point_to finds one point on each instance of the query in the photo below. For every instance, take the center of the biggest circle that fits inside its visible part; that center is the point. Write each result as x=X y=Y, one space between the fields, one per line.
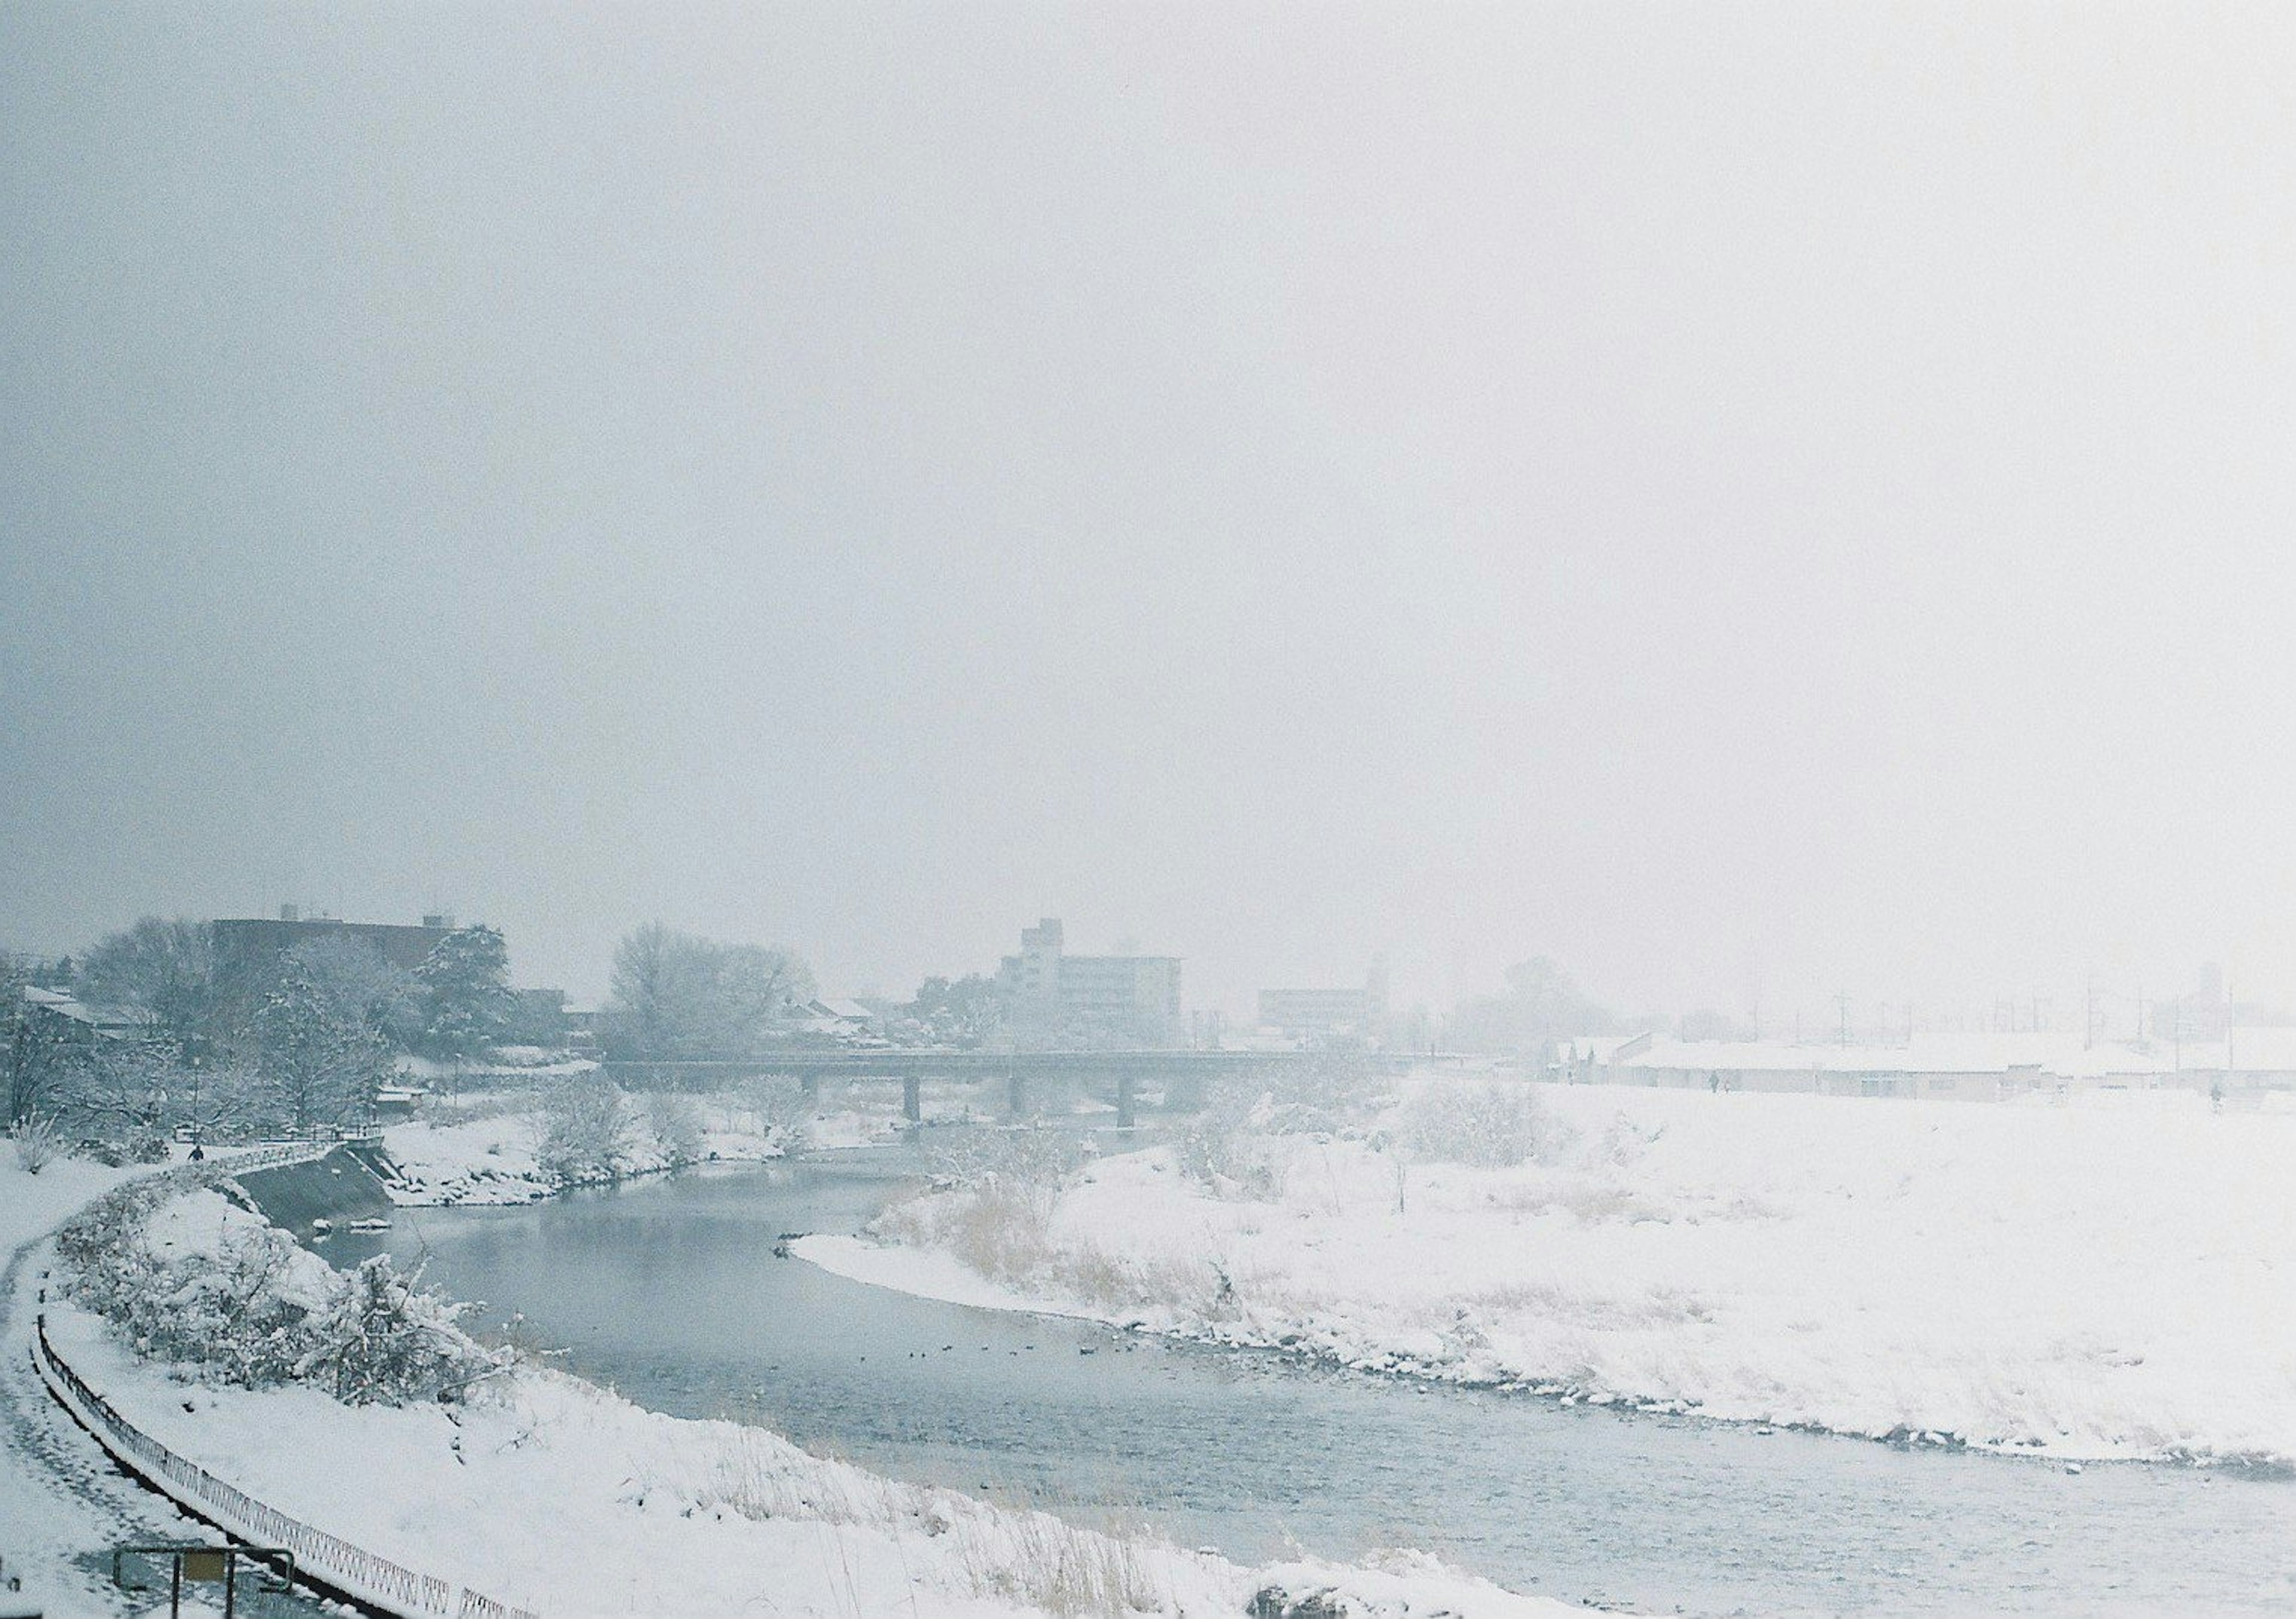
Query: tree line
x=303 y=1043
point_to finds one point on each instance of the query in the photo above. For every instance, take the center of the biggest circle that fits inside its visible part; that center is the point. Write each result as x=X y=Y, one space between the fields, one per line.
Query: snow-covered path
x=60 y=1498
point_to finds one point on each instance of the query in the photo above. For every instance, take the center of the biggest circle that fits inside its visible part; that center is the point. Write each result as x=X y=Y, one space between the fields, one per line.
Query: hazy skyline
x=1744 y=501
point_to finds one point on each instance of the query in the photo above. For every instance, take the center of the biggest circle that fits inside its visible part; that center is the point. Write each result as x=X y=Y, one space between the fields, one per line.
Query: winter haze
x=1749 y=502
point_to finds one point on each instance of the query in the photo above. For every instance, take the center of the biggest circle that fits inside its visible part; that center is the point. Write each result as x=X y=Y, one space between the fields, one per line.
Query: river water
x=667 y=1290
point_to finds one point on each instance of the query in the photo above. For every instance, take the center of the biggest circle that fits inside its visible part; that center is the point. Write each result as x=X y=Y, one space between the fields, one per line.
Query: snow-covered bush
x=586 y=1131
x=1026 y=1163
x=37 y=1145
x=775 y=1107
x=1489 y=1124
x=384 y=1337
x=254 y=1310
x=1223 y=1150
x=676 y=1120
x=997 y=1189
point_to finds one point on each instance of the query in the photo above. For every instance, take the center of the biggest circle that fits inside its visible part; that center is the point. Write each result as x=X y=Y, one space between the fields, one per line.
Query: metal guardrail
x=360 y=1572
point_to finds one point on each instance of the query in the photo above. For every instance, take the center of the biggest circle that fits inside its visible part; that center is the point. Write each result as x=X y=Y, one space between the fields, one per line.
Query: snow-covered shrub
x=1028 y=1163
x=384 y=1337
x=255 y=1310
x=585 y=1129
x=1489 y=1124
x=675 y=1119
x=37 y=1145
x=993 y=1204
x=1222 y=1150
x=775 y=1107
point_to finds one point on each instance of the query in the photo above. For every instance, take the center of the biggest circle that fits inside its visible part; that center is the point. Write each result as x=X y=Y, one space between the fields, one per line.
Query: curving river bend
x=667 y=1290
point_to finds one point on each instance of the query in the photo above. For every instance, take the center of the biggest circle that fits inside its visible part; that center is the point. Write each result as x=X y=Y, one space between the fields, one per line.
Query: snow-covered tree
x=320 y=1063
x=675 y=1118
x=961 y=1011
x=466 y=995
x=360 y=983
x=586 y=1131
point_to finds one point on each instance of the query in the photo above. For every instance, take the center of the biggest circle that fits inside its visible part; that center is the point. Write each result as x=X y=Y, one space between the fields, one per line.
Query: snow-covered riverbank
x=496 y=1159
x=555 y=1494
x=491 y=1152
x=2082 y=1282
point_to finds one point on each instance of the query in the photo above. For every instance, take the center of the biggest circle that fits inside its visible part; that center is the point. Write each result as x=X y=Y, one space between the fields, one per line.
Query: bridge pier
x=1016 y=1095
x=913 y=1107
x=1124 y=1084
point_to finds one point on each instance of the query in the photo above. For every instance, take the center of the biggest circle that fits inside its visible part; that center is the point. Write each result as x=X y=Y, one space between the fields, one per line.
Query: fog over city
x=1050 y=809
x=1751 y=503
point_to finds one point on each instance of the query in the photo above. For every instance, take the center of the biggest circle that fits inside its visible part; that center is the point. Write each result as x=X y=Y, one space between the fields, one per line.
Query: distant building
x=1327 y=1012
x=833 y=1015
x=82 y=1022
x=248 y=949
x=581 y=1024
x=1048 y=991
x=537 y=1017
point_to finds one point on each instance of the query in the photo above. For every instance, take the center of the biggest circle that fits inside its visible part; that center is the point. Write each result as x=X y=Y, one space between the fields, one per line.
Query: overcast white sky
x=1742 y=500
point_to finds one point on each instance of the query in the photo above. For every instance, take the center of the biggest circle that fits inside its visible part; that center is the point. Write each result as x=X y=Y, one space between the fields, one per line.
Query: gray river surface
x=667 y=1290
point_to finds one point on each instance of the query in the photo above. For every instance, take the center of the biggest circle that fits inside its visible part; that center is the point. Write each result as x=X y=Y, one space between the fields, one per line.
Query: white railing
x=375 y=1579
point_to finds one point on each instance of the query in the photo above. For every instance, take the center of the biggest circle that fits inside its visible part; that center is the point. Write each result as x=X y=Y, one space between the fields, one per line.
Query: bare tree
x=119 y=1088
x=165 y=967
x=757 y=986
x=43 y=1053
x=675 y=995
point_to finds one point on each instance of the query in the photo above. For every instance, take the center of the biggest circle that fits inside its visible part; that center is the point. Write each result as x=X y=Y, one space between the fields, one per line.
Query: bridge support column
x=913 y=1107
x=1124 y=1084
x=1016 y=1096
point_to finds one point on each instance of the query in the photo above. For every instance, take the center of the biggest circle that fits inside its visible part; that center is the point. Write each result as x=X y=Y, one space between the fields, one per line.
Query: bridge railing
x=353 y=1569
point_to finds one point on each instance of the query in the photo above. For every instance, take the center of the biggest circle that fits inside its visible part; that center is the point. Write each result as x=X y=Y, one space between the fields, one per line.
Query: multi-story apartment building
x=1050 y=992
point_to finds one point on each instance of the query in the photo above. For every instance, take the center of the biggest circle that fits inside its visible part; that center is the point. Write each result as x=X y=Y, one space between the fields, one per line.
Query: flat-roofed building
x=1050 y=992
x=1358 y=1012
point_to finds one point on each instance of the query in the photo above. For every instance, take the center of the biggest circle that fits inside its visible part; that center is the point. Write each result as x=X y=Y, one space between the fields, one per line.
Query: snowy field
x=2107 y=1277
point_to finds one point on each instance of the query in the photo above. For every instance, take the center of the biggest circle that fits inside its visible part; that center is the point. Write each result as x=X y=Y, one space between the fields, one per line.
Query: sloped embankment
x=336 y=1188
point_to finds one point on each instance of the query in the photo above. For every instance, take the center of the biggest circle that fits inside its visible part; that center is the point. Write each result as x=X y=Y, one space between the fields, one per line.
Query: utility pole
x=1842 y=1000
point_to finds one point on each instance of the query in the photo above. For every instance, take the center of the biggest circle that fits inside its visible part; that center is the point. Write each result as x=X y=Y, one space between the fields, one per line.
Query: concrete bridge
x=1185 y=1075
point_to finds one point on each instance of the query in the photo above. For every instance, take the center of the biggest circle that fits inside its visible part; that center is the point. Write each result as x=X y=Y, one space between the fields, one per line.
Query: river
x=667 y=1290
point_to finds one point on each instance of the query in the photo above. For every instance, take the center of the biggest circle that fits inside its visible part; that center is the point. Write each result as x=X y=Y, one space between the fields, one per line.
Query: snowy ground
x=547 y=1491
x=2082 y=1281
